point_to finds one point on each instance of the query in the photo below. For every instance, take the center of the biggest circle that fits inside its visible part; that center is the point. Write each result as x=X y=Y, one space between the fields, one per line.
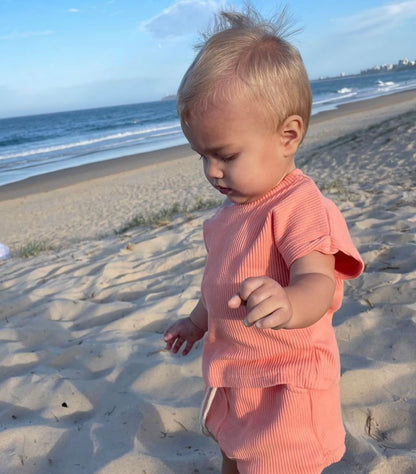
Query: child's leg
x=229 y=466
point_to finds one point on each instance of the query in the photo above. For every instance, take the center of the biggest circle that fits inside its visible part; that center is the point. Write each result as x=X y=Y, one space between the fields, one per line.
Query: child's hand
x=267 y=303
x=183 y=331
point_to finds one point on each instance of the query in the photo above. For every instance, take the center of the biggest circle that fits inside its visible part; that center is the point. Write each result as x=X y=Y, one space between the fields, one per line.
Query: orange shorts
x=276 y=430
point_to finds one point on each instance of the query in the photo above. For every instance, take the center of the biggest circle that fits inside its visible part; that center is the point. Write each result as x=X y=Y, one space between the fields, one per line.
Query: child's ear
x=291 y=134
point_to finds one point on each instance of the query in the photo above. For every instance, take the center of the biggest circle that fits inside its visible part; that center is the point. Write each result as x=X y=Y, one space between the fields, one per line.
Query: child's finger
x=262 y=309
x=188 y=348
x=170 y=333
x=236 y=301
x=169 y=343
x=273 y=321
x=170 y=337
x=249 y=286
x=178 y=344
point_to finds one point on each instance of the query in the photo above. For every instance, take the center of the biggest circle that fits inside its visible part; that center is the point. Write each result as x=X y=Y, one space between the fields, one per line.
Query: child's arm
x=301 y=304
x=187 y=330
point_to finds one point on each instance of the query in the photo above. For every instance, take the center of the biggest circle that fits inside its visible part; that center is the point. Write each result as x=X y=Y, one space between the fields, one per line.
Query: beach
x=86 y=384
x=95 y=200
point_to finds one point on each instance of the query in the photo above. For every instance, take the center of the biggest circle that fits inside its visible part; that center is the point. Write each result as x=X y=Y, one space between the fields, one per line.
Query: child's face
x=243 y=156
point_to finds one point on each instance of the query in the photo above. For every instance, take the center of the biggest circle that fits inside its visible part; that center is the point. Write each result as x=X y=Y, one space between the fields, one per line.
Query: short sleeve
x=305 y=221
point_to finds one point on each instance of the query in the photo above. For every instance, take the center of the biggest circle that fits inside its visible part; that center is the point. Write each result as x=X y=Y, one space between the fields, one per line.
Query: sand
x=86 y=385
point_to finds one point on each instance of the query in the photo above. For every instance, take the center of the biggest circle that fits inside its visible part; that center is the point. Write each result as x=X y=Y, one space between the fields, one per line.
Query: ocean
x=39 y=144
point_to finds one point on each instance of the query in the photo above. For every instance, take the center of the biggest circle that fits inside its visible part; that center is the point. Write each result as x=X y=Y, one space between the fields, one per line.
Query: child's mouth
x=223 y=190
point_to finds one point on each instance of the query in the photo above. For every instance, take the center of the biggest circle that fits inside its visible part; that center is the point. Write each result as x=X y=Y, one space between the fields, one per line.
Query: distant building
x=401 y=64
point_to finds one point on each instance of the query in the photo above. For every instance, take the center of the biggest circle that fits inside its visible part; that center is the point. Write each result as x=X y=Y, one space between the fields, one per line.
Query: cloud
x=73 y=10
x=376 y=20
x=183 y=18
x=26 y=34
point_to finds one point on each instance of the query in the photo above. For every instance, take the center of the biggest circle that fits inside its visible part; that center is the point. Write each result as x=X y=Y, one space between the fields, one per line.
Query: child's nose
x=213 y=169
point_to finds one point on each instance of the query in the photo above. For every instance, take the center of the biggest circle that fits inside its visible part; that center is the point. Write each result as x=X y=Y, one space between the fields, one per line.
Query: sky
x=60 y=55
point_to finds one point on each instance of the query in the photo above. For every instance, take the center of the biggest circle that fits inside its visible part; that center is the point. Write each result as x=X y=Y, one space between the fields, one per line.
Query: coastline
x=97 y=200
x=388 y=105
x=391 y=101
x=78 y=174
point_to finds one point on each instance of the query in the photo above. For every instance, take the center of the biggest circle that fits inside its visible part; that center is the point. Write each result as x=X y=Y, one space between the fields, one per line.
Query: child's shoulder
x=302 y=181
x=296 y=188
x=302 y=205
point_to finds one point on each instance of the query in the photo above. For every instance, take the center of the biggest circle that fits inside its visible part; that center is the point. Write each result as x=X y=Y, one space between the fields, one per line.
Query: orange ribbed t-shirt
x=264 y=238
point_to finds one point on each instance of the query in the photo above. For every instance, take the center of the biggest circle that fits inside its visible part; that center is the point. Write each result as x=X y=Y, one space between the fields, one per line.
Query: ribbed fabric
x=278 y=430
x=264 y=238
x=206 y=405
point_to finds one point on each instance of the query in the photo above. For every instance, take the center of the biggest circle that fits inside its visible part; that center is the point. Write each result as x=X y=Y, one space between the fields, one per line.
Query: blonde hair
x=248 y=57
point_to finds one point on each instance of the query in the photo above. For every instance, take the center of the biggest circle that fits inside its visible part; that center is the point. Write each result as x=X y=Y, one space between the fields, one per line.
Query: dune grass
x=164 y=216
x=33 y=248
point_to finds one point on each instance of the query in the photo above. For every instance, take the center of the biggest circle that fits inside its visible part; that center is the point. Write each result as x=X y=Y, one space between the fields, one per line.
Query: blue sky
x=71 y=54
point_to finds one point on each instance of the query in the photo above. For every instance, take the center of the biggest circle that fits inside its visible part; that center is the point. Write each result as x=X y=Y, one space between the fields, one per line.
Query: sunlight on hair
x=245 y=57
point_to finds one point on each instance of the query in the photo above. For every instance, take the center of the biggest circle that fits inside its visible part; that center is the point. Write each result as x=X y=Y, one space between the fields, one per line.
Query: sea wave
x=329 y=100
x=158 y=131
x=385 y=84
x=344 y=90
x=19 y=140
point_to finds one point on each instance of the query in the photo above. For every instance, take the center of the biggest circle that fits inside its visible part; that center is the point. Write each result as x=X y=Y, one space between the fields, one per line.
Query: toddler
x=278 y=252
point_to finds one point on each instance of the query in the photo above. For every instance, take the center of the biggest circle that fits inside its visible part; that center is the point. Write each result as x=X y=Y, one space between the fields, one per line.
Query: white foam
x=327 y=100
x=386 y=84
x=345 y=90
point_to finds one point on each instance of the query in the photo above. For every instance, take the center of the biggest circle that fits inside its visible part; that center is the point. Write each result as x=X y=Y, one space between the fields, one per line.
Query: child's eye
x=220 y=157
x=228 y=157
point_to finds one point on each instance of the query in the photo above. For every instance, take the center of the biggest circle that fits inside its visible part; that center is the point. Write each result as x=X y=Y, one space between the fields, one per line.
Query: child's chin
x=238 y=199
